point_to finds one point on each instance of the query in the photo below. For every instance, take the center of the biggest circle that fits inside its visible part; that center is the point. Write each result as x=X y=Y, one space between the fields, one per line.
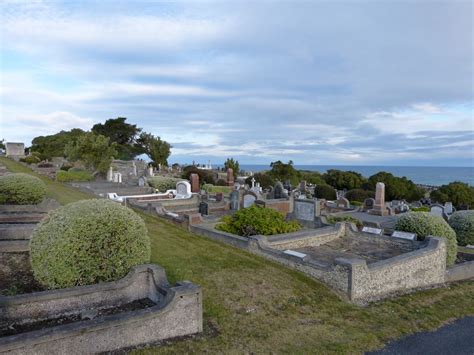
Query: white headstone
x=249 y=200
x=110 y=174
x=448 y=207
x=437 y=210
x=183 y=189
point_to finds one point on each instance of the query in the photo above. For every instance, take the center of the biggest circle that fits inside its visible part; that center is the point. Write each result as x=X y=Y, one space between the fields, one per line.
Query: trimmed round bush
x=425 y=224
x=88 y=242
x=21 y=189
x=257 y=220
x=325 y=191
x=163 y=183
x=463 y=224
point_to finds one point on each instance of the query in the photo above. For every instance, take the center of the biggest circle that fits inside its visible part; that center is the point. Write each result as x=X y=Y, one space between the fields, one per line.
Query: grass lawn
x=252 y=305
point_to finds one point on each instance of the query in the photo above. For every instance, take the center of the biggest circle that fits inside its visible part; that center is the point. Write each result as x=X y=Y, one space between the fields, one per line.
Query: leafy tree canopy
x=344 y=179
x=233 y=164
x=265 y=180
x=396 y=188
x=53 y=146
x=284 y=172
x=94 y=150
x=459 y=193
x=123 y=134
x=157 y=149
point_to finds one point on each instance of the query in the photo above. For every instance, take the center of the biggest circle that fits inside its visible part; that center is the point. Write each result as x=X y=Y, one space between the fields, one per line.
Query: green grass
x=257 y=306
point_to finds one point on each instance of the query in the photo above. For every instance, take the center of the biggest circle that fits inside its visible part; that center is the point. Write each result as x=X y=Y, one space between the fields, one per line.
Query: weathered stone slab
x=404 y=235
x=372 y=230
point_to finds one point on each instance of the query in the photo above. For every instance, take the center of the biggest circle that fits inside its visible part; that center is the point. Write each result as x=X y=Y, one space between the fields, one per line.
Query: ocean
x=427 y=175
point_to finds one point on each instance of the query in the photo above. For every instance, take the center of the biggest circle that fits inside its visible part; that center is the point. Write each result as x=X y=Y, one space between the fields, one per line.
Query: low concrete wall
x=178 y=312
x=458 y=272
x=45 y=206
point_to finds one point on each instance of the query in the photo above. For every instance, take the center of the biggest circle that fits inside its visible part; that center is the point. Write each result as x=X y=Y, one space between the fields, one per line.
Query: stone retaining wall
x=178 y=312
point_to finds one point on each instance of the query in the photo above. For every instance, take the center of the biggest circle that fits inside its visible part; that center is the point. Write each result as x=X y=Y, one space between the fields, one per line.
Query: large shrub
x=459 y=193
x=30 y=159
x=425 y=224
x=21 y=189
x=257 y=220
x=66 y=176
x=463 y=224
x=359 y=195
x=325 y=191
x=88 y=242
x=163 y=183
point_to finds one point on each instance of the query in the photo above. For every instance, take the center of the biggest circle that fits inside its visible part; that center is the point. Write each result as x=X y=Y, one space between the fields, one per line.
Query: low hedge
x=257 y=220
x=163 y=183
x=30 y=159
x=67 y=176
x=463 y=224
x=325 y=191
x=350 y=219
x=21 y=189
x=420 y=209
x=88 y=242
x=215 y=189
x=425 y=224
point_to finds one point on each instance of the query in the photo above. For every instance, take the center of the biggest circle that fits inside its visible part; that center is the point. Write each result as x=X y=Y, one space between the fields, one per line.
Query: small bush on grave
x=420 y=209
x=163 y=183
x=88 y=242
x=221 y=182
x=257 y=220
x=325 y=191
x=21 y=189
x=359 y=195
x=463 y=224
x=350 y=219
x=425 y=224
x=30 y=159
x=356 y=203
x=209 y=188
x=68 y=176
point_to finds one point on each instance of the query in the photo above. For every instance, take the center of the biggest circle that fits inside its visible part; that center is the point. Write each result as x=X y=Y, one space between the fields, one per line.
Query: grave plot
x=360 y=267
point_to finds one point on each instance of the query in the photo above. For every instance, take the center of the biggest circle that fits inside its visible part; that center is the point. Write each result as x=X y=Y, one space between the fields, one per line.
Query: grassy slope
x=259 y=306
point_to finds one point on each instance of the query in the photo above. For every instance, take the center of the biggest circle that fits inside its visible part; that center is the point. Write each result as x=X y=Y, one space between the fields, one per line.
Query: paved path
x=455 y=338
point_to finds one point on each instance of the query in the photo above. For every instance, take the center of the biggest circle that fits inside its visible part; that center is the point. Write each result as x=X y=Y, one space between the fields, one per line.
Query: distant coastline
x=435 y=176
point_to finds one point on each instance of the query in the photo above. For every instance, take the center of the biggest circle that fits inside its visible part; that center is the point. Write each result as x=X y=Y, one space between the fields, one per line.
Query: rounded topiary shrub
x=21 y=189
x=463 y=224
x=88 y=242
x=425 y=224
x=257 y=220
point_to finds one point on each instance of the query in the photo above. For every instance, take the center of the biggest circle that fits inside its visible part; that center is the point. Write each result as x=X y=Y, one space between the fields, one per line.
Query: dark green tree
x=396 y=188
x=205 y=176
x=325 y=191
x=284 y=172
x=47 y=147
x=123 y=134
x=2 y=144
x=94 y=150
x=344 y=179
x=233 y=164
x=459 y=193
x=157 y=149
x=265 y=180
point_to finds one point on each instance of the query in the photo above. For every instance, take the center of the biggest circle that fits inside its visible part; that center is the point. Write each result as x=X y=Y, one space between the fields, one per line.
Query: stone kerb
x=459 y=272
x=177 y=312
x=420 y=268
x=45 y=206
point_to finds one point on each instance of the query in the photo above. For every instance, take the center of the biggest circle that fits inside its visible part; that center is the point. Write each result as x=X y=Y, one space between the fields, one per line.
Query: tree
x=51 y=146
x=344 y=179
x=157 y=150
x=94 y=150
x=123 y=134
x=2 y=144
x=459 y=193
x=233 y=164
x=396 y=188
x=312 y=177
x=325 y=191
x=205 y=176
x=284 y=172
x=264 y=179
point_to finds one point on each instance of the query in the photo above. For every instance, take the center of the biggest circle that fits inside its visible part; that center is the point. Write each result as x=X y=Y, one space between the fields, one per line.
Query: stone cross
x=253 y=182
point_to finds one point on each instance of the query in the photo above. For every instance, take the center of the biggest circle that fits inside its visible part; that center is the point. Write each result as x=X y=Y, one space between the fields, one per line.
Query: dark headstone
x=204 y=208
x=194 y=182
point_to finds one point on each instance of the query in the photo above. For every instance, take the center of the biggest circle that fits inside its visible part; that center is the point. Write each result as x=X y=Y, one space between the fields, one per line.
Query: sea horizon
x=426 y=175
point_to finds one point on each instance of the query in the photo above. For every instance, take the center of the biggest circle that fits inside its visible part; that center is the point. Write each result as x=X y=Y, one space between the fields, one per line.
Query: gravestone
x=204 y=208
x=371 y=230
x=142 y=181
x=343 y=203
x=134 y=168
x=379 y=206
x=279 y=191
x=150 y=171
x=404 y=235
x=249 y=199
x=183 y=188
x=219 y=196
x=438 y=210
x=194 y=182
x=14 y=149
x=303 y=186
x=305 y=210
x=369 y=204
x=234 y=200
x=118 y=178
x=448 y=208
x=416 y=204
x=230 y=177
x=110 y=174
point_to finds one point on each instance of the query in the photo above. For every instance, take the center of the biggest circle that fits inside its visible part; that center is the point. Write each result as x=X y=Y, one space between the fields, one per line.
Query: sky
x=330 y=83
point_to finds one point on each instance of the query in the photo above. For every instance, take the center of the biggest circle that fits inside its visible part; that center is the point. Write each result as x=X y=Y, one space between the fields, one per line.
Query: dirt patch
x=353 y=247
x=14 y=328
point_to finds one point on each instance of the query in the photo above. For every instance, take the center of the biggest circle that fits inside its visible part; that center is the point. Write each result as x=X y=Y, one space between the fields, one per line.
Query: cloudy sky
x=340 y=82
